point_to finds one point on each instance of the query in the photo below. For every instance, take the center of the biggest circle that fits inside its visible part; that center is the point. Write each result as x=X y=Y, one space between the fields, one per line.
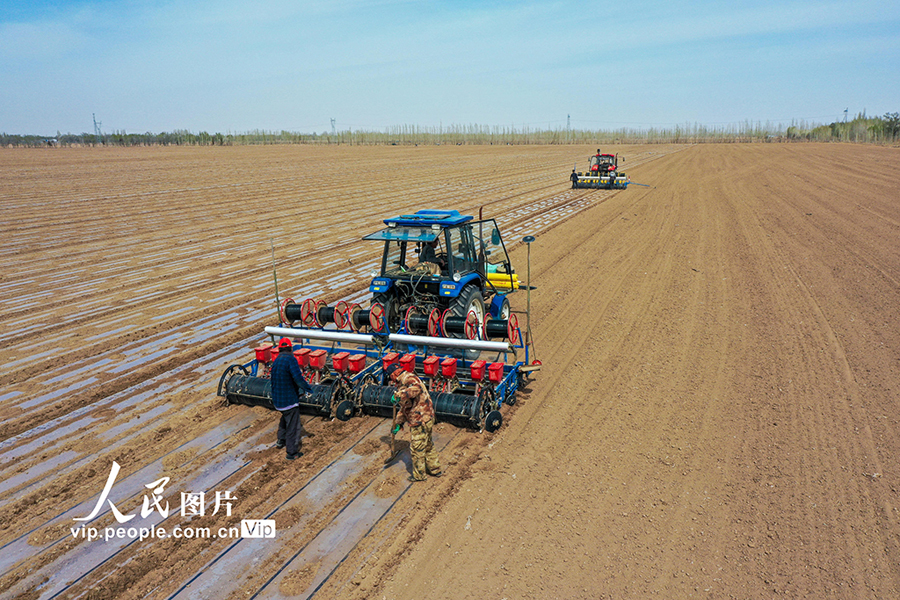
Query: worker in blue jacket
x=287 y=382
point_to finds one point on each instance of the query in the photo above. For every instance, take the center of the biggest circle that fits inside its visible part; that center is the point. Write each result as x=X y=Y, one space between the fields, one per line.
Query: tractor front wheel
x=504 y=309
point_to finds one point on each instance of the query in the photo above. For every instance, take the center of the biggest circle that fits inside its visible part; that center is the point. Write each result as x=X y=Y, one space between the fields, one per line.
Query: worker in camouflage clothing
x=414 y=407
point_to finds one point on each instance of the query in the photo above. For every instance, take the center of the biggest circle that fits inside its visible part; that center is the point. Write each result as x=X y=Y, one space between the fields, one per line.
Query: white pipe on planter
x=418 y=340
x=423 y=340
x=320 y=334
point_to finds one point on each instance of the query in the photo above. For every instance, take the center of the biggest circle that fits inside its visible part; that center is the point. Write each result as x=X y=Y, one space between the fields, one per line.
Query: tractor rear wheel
x=469 y=300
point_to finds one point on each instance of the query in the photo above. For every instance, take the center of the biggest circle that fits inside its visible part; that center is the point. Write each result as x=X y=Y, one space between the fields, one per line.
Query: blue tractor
x=442 y=275
x=442 y=266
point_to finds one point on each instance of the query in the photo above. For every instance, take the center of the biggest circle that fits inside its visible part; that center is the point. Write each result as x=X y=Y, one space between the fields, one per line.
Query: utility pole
x=568 y=118
x=97 y=131
x=333 y=133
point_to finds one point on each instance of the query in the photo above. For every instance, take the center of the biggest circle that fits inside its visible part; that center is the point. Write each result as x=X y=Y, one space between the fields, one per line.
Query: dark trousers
x=289 y=430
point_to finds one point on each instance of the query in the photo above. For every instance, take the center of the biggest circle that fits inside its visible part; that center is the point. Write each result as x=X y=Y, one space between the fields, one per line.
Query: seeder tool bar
x=365 y=339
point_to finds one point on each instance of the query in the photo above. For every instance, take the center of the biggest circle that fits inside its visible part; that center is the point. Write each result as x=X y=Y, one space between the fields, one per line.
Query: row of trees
x=862 y=129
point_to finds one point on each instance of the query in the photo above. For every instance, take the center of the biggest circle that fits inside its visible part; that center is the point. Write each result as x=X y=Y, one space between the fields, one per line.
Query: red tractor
x=603 y=173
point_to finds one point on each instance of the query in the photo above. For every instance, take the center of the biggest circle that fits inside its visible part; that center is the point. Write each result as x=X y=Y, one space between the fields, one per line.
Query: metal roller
x=341 y=314
x=326 y=314
x=319 y=402
x=495 y=328
x=416 y=321
x=243 y=388
x=461 y=410
x=453 y=324
x=292 y=312
x=502 y=328
x=467 y=326
x=240 y=388
x=323 y=314
x=376 y=400
x=420 y=322
x=360 y=317
x=309 y=312
x=312 y=313
x=316 y=314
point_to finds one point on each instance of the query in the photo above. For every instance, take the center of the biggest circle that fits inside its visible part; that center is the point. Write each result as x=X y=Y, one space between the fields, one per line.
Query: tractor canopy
x=430 y=218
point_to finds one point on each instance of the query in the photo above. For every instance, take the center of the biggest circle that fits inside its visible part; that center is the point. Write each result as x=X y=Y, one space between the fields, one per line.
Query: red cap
x=285 y=343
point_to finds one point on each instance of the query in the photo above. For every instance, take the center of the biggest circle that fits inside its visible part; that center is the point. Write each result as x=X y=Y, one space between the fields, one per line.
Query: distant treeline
x=862 y=129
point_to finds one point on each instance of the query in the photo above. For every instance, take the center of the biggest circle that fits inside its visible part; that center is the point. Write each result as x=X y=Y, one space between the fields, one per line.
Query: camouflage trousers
x=421 y=447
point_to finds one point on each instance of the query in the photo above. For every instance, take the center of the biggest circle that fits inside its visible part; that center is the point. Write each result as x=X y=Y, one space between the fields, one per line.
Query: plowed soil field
x=716 y=415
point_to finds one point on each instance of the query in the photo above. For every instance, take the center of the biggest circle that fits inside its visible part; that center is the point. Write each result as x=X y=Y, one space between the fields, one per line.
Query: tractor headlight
x=456 y=277
x=374 y=273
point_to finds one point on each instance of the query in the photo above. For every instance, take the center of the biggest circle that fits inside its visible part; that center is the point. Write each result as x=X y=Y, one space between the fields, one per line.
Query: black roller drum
x=460 y=410
x=257 y=391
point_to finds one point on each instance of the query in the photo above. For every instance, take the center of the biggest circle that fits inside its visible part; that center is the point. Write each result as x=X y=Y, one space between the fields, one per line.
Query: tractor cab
x=459 y=247
x=437 y=258
x=603 y=163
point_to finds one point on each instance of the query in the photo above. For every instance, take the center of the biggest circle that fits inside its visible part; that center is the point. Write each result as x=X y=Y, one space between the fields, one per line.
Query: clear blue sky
x=234 y=65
